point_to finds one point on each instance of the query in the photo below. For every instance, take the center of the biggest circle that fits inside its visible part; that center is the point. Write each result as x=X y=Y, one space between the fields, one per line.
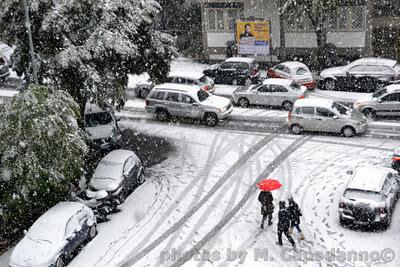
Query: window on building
x=211 y=19
x=222 y=19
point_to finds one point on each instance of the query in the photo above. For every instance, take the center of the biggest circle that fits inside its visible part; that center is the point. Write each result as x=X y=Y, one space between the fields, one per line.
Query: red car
x=293 y=70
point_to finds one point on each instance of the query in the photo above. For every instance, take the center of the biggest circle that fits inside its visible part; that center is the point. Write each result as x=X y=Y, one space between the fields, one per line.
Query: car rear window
x=205 y=79
x=295 y=86
x=357 y=194
x=202 y=95
x=95 y=119
x=301 y=71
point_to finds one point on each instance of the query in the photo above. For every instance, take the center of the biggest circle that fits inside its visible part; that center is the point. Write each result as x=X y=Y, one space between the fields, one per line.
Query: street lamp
x=31 y=50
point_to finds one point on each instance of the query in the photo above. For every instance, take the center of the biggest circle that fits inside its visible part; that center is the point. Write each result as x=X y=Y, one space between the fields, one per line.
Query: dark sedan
x=235 y=70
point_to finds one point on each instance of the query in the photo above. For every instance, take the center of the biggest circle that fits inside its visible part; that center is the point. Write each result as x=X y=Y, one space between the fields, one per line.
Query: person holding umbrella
x=267 y=206
x=294 y=214
x=266 y=199
x=284 y=224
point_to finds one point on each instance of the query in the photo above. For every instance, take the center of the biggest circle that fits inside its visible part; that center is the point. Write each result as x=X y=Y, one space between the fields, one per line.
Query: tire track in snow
x=238 y=164
x=267 y=171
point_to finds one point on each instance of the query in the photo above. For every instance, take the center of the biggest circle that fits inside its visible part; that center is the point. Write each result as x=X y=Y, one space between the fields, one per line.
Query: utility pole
x=31 y=50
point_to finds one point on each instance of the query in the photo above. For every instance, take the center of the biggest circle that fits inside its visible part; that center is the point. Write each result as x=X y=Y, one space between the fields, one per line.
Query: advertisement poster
x=253 y=37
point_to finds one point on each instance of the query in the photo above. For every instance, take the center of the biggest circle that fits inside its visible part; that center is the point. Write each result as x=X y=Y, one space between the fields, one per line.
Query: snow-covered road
x=203 y=200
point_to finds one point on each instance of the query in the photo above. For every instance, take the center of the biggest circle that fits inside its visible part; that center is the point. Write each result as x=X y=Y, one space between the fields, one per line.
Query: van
x=324 y=115
x=101 y=126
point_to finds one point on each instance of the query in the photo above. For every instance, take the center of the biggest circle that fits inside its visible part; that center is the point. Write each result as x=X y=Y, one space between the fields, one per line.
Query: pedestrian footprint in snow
x=267 y=206
x=294 y=214
x=284 y=225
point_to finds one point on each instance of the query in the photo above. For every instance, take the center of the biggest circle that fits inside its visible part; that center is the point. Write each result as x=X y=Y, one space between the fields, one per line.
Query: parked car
x=207 y=84
x=188 y=101
x=293 y=70
x=4 y=70
x=273 y=92
x=324 y=115
x=235 y=70
x=385 y=101
x=370 y=197
x=396 y=159
x=101 y=126
x=118 y=173
x=363 y=75
x=54 y=238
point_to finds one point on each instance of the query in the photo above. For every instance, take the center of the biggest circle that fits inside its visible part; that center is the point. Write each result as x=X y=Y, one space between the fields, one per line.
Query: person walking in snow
x=267 y=206
x=294 y=214
x=284 y=225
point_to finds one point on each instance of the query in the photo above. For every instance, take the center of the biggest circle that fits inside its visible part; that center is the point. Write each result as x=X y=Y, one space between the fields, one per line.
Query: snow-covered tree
x=319 y=14
x=88 y=47
x=42 y=150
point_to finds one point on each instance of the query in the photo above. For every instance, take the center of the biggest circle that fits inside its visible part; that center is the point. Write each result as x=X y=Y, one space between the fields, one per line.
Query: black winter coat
x=266 y=199
x=283 y=220
x=294 y=213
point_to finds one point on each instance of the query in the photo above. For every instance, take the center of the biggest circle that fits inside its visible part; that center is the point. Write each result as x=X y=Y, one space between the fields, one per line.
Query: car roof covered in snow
x=285 y=82
x=118 y=156
x=294 y=64
x=314 y=102
x=240 y=59
x=177 y=87
x=368 y=178
x=377 y=61
x=194 y=76
x=392 y=88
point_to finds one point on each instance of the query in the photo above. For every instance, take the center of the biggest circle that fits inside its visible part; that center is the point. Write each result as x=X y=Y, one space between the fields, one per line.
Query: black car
x=235 y=70
x=362 y=75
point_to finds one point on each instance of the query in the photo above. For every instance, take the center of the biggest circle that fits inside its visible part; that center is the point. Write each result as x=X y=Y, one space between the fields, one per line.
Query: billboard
x=253 y=37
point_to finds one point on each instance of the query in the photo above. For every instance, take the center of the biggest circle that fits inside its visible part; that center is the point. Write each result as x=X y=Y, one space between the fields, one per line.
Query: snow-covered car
x=324 y=115
x=370 y=197
x=363 y=75
x=4 y=70
x=396 y=159
x=188 y=101
x=118 y=173
x=54 y=238
x=293 y=70
x=235 y=70
x=385 y=101
x=207 y=84
x=101 y=126
x=272 y=92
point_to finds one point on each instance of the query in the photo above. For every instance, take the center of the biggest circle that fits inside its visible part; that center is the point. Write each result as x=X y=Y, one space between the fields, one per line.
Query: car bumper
x=350 y=219
x=361 y=128
x=224 y=115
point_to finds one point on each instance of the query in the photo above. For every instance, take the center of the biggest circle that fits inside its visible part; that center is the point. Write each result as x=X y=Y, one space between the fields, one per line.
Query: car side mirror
x=349 y=172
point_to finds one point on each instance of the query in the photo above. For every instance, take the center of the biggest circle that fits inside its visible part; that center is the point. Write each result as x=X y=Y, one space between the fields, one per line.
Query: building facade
x=357 y=28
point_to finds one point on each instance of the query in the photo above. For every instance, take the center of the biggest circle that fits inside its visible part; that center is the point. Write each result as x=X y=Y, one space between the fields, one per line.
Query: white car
x=54 y=238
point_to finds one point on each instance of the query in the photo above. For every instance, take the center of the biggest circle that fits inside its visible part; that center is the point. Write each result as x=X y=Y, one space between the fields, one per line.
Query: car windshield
x=379 y=93
x=357 y=194
x=95 y=119
x=202 y=95
x=108 y=170
x=340 y=108
x=295 y=86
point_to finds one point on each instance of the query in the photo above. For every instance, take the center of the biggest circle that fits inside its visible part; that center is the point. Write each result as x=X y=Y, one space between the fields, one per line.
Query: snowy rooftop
x=314 y=102
x=240 y=59
x=368 y=178
x=279 y=81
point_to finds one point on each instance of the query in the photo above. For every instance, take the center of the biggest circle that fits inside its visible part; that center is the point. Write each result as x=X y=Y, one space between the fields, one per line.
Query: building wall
x=339 y=39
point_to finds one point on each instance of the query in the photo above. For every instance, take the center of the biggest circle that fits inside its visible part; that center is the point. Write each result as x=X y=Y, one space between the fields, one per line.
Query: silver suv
x=323 y=115
x=370 y=197
x=190 y=101
x=385 y=101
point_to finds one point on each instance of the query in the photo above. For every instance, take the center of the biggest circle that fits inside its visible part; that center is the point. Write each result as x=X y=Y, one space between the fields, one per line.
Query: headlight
x=222 y=110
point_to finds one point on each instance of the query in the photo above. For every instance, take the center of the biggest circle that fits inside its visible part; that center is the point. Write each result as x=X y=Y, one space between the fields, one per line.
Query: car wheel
x=144 y=92
x=234 y=82
x=243 y=102
x=60 y=262
x=92 y=232
x=141 y=178
x=342 y=221
x=369 y=113
x=287 y=105
x=348 y=131
x=330 y=85
x=122 y=196
x=211 y=119
x=248 y=82
x=162 y=115
x=296 y=129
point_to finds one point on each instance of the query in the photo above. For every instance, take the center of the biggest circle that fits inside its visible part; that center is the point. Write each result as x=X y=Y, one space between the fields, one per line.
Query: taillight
x=254 y=72
x=396 y=158
x=301 y=97
x=206 y=88
x=146 y=102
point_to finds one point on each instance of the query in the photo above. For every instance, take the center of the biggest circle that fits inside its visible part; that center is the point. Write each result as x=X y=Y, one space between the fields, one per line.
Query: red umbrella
x=269 y=185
